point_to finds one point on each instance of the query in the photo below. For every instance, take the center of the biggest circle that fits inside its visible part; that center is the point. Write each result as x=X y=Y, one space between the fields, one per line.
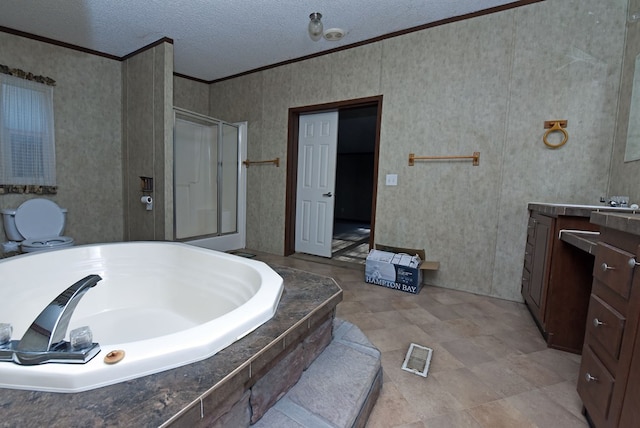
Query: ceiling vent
x=334 y=34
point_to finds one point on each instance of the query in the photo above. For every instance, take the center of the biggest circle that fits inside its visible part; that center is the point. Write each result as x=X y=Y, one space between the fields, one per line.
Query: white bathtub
x=165 y=304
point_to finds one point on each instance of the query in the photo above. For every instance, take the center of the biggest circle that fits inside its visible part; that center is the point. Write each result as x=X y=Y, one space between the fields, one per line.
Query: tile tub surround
x=178 y=396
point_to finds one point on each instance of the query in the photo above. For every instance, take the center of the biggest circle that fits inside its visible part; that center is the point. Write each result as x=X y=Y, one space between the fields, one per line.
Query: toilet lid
x=36 y=218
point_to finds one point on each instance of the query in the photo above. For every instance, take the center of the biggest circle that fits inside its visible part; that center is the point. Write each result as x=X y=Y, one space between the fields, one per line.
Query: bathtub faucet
x=44 y=341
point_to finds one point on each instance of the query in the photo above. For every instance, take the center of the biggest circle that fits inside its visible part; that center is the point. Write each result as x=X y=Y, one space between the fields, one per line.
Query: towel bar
x=475 y=157
x=275 y=161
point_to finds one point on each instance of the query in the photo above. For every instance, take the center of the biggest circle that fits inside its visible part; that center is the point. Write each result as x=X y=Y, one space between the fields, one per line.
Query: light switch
x=392 y=180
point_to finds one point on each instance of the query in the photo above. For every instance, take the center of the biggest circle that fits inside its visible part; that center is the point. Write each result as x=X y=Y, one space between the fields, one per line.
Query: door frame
x=292 y=162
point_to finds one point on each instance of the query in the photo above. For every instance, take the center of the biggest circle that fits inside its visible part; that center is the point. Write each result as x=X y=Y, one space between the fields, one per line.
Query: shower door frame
x=234 y=240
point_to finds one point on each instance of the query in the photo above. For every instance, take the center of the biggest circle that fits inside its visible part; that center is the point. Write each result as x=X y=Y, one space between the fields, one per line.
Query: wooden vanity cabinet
x=609 y=378
x=556 y=280
x=536 y=264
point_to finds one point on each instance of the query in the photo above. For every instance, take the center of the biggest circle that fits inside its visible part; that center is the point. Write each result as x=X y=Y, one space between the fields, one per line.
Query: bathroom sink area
x=577 y=210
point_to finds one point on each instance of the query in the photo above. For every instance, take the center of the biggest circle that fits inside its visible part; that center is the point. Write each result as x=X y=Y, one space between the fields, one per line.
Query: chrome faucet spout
x=50 y=327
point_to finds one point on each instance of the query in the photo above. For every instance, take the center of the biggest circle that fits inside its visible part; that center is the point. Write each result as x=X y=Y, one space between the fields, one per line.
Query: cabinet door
x=630 y=414
x=536 y=295
x=630 y=409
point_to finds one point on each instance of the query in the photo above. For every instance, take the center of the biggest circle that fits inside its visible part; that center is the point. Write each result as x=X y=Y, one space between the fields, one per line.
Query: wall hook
x=555 y=126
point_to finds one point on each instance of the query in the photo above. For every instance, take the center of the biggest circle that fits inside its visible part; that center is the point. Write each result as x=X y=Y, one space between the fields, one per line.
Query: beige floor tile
x=493 y=346
x=558 y=361
x=523 y=341
x=490 y=368
x=392 y=363
x=519 y=320
x=466 y=352
x=564 y=394
x=418 y=316
x=500 y=414
x=452 y=329
x=466 y=387
x=529 y=369
x=350 y=307
x=427 y=396
x=399 y=337
x=392 y=409
x=501 y=379
x=442 y=360
x=469 y=310
x=446 y=297
x=462 y=419
x=544 y=411
x=442 y=312
x=405 y=303
x=379 y=305
x=366 y=321
x=491 y=324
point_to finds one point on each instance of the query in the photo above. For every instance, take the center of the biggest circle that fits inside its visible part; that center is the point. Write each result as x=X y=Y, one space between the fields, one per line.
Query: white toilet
x=38 y=224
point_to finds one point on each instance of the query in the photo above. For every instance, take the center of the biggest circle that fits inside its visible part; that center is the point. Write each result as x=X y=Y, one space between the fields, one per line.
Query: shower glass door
x=206 y=166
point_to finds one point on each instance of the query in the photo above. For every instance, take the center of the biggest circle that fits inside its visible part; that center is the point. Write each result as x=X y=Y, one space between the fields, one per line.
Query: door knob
x=605 y=267
x=327 y=195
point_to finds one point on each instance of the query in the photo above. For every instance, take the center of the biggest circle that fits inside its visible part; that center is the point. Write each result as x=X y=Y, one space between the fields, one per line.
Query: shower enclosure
x=209 y=183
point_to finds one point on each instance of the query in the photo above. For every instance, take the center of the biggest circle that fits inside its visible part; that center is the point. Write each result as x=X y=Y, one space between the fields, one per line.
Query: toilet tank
x=9 y=223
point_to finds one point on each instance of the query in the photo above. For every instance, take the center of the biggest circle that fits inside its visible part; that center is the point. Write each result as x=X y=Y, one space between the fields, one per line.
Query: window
x=27 y=143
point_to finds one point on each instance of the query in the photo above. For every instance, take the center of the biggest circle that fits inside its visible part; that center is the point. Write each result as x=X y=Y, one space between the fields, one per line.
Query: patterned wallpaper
x=486 y=84
x=88 y=123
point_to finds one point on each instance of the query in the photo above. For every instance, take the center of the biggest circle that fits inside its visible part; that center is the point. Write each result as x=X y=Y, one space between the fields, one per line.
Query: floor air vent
x=417 y=360
x=242 y=254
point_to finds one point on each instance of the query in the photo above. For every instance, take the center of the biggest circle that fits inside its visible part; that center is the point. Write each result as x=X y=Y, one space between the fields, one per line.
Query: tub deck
x=307 y=301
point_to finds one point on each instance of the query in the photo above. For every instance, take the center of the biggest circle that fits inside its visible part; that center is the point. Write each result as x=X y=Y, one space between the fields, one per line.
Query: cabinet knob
x=590 y=378
x=597 y=323
x=633 y=263
x=605 y=267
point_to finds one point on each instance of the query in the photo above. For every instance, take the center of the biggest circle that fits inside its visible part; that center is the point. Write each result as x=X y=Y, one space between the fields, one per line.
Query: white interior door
x=317 y=145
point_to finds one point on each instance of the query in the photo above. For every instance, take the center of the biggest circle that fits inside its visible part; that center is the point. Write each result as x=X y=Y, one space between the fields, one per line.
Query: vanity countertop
x=585 y=240
x=575 y=210
x=624 y=222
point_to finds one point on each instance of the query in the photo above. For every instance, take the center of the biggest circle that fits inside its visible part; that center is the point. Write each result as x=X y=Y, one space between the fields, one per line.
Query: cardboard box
x=397 y=268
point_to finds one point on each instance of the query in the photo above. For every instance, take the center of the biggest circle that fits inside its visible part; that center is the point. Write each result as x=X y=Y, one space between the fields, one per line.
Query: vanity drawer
x=612 y=268
x=595 y=383
x=605 y=325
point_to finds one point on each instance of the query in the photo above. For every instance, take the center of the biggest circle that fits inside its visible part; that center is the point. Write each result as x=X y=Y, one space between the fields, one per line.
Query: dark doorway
x=354 y=183
x=354 y=144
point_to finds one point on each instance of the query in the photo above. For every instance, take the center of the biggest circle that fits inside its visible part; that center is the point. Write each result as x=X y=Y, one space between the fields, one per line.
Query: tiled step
x=339 y=389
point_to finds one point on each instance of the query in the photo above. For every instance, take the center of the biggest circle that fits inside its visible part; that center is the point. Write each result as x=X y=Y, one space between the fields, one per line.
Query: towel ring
x=556 y=127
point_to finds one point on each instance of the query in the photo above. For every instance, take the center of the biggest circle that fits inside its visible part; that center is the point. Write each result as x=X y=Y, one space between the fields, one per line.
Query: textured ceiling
x=214 y=39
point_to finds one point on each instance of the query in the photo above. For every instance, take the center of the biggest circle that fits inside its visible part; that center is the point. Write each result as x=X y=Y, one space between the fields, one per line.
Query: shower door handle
x=327 y=195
